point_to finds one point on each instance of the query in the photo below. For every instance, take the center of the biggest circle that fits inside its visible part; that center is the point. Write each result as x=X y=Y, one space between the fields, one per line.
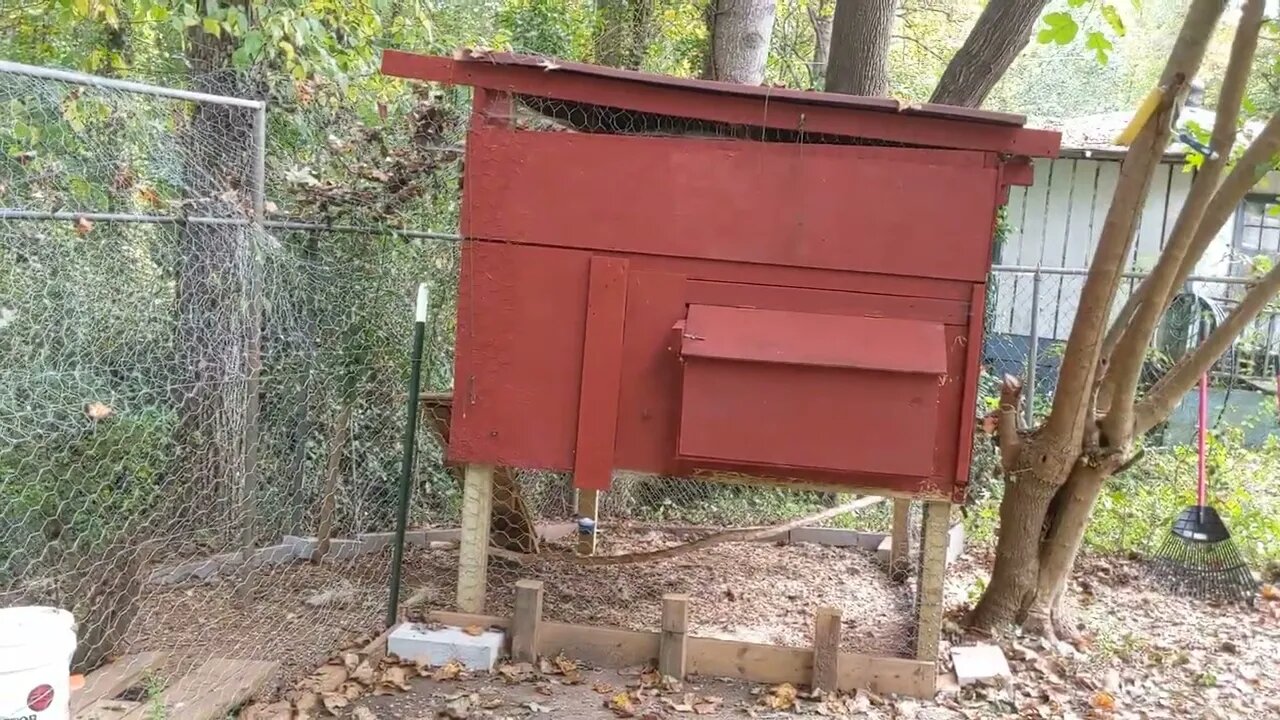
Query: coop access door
x=806 y=391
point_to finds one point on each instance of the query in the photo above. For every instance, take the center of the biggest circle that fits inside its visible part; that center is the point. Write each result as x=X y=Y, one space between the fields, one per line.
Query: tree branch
x=741 y=535
x=1121 y=384
x=1082 y=361
x=1169 y=390
x=1253 y=165
x=1010 y=422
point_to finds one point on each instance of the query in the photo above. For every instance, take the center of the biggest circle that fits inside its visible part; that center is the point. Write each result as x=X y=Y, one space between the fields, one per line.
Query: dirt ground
x=1145 y=655
x=756 y=592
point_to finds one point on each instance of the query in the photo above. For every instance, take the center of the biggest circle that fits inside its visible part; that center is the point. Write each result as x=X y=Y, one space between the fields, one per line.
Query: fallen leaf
x=458 y=709
x=604 y=688
x=84 y=226
x=780 y=697
x=473 y=630
x=307 y=703
x=352 y=690
x=1270 y=592
x=98 y=411
x=451 y=670
x=1103 y=700
x=543 y=689
x=350 y=660
x=282 y=710
x=650 y=677
x=707 y=706
x=333 y=702
x=363 y=673
x=621 y=705
x=536 y=707
x=396 y=676
x=516 y=672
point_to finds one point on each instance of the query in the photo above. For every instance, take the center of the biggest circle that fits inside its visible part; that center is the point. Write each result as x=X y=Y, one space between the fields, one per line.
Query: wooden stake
x=673 y=647
x=526 y=624
x=900 y=542
x=588 y=507
x=933 y=568
x=473 y=549
x=826 y=649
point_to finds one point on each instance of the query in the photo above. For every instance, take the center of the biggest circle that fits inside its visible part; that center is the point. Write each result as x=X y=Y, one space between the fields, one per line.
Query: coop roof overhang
x=880 y=119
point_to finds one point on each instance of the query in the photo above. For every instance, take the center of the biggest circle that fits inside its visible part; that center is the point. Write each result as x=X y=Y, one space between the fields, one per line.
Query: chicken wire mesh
x=188 y=400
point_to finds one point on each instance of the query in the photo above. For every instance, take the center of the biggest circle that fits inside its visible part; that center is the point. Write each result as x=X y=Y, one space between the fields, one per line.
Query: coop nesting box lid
x=879 y=120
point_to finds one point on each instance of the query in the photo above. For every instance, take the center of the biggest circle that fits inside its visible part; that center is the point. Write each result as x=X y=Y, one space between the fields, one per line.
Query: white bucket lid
x=31 y=625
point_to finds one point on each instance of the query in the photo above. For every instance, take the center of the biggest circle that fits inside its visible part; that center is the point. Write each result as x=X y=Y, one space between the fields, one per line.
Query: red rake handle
x=1200 y=439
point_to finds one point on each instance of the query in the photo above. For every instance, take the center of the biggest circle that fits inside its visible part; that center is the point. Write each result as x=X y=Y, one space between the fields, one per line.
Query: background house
x=1054 y=225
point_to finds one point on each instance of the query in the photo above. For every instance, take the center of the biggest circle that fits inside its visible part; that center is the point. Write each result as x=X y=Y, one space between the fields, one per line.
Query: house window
x=1259 y=230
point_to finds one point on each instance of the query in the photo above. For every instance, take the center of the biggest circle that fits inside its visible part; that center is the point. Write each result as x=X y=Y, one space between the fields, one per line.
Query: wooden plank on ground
x=210 y=691
x=107 y=710
x=110 y=680
x=613 y=647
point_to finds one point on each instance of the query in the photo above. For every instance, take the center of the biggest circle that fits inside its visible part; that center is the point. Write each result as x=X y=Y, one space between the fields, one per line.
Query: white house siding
x=1055 y=224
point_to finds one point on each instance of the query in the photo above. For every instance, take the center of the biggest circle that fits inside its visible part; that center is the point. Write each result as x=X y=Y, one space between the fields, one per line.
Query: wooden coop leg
x=900 y=542
x=673 y=647
x=933 y=568
x=588 y=507
x=473 y=550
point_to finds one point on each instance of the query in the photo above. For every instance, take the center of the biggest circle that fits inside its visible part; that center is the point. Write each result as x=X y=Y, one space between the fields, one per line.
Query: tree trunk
x=1001 y=32
x=623 y=29
x=214 y=267
x=821 y=22
x=859 y=62
x=740 y=32
x=1073 y=506
x=1014 y=578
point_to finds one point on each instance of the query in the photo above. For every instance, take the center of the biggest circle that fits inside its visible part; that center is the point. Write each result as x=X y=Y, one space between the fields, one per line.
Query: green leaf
x=1099 y=44
x=1112 y=16
x=212 y=26
x=1077 y=3
x=253 y=42
x=1060 y=28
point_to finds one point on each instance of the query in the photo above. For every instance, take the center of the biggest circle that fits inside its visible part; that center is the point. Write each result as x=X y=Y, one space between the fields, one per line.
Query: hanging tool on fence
x=1198 y=557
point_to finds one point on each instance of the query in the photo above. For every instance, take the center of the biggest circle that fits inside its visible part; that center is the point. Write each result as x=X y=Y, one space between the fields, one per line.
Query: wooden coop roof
x=878 y=120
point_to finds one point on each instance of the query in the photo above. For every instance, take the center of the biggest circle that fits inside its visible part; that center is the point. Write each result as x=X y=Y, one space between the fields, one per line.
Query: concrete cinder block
x=835 y=537
x=955 y=545
x=271 y=555
x=377 y=541
x=414 y=642
x=302 y=546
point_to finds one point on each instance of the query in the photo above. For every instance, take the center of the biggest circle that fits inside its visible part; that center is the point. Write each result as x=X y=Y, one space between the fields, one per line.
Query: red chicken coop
x=693 y=278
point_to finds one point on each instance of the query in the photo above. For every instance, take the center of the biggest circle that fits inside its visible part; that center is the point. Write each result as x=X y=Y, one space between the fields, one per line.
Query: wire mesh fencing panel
x=199 y=416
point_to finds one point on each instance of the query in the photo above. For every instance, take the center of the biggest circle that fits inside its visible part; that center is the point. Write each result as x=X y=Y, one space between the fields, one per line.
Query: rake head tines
x=1198 y=559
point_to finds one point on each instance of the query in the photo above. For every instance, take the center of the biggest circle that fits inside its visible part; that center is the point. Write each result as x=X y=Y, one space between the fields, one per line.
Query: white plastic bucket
x=36 y=645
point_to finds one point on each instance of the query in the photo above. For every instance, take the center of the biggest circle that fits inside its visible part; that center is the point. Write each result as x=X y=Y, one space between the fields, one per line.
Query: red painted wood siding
x=522 y=334
x=810 y=206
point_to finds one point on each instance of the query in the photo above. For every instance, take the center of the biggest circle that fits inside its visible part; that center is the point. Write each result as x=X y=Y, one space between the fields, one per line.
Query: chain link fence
x=202 y=399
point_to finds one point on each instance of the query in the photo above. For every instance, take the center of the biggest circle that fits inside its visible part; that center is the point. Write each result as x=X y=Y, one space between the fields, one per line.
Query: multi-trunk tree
x=1054 y=472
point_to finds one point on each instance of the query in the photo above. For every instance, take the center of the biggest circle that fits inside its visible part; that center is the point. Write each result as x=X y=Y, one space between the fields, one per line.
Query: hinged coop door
x=810 y=391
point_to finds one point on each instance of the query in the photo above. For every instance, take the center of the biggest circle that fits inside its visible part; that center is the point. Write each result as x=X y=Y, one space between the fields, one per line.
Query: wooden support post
x=473 y=545
x=900 y=540
x=526 y=624
x=933 y=568
x=588 y=507
x=826 y=649
x=673 y=647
